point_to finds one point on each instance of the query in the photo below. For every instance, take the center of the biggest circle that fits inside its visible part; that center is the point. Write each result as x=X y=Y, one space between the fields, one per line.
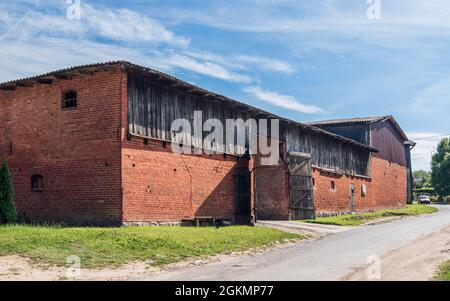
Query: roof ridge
x=353 y=119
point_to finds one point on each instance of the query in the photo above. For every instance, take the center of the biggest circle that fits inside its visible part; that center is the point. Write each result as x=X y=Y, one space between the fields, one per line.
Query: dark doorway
x=301 y=187
x=352 y=197
x=243 y=197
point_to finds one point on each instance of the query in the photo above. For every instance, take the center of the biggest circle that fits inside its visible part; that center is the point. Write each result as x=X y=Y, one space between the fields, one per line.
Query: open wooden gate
x=301 y=187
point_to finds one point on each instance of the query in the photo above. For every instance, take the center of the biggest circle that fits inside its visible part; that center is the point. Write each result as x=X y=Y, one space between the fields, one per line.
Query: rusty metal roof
x=67 y=73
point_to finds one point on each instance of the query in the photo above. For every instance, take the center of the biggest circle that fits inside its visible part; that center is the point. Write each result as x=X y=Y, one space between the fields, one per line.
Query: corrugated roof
x=362 y=120
x=357 y=120
x=82 y=69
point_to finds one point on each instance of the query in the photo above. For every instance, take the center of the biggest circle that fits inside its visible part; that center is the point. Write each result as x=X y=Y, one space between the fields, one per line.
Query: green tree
x=440 y=175
x=422 y=179
x=8 y=213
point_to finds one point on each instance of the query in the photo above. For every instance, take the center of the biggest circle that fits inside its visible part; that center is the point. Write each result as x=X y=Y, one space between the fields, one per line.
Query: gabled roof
x=86 y=70
x=349 y=121
x=363 y=120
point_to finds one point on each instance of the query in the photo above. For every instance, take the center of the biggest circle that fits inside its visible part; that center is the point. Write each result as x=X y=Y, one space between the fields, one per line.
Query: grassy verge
x=444 y=272
x=361 y=218
x=106 y=247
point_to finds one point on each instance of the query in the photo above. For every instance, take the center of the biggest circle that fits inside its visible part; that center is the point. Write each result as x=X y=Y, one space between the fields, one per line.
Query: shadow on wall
x=160 y=185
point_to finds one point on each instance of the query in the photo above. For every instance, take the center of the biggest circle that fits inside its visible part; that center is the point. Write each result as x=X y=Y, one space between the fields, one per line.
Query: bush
x=8 y=213
x=447 y=199
x=433 y=198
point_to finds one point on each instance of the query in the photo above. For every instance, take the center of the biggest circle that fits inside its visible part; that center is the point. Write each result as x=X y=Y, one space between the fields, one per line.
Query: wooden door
x=352 y=197
x=242 y=195
x=301 y=188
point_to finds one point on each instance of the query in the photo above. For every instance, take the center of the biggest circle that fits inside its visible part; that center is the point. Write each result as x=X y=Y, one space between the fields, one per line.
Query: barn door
x=301 y=187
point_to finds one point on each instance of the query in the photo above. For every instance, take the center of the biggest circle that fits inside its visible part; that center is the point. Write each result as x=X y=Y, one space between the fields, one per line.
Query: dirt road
x=414 y=261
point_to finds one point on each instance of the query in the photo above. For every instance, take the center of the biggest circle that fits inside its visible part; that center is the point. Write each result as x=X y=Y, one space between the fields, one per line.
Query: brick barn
x=92 y=145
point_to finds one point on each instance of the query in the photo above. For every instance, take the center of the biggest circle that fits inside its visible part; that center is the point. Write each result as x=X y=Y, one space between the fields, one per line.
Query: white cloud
x=205 y=68
x=423 y=151
x=27 y=58
x=283 y=101
x=44 y=42
x=123 y=24
x=323 y=23
x=245 y=62
x=266 y=63
x=434 y=98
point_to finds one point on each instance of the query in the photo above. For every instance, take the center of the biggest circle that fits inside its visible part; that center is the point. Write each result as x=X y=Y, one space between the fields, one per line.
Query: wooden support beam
x=46 y=80
x=11 y=87
x=86 y=72
x=30 y=83
x=152 y=75
x=64 y=76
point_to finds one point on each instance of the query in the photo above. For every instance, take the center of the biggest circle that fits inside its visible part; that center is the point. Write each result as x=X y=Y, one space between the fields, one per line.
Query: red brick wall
x=385 y=189
x=77 y=151
x=272 y=192
x=160 y=185
x=328 y=201
x=389 y=184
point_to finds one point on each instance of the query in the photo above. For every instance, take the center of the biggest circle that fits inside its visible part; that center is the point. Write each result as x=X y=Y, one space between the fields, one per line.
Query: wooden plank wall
x=328 y=153
x=152 y=107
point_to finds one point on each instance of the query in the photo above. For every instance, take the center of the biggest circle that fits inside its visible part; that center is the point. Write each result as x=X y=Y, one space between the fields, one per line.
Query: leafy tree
x=440 y=176
x=422 y=179
x=8 y=213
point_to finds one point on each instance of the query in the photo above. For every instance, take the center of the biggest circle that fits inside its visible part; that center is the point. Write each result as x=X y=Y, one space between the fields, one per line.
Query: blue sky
x=305 y=60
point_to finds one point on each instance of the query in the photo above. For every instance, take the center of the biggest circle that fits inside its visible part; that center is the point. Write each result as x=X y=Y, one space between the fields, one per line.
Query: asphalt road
x=329 y=258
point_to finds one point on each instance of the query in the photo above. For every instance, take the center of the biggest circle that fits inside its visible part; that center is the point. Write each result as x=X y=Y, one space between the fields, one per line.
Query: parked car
x=423 y=199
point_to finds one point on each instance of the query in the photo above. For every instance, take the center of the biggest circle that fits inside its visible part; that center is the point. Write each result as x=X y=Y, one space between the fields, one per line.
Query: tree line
x=437 y=181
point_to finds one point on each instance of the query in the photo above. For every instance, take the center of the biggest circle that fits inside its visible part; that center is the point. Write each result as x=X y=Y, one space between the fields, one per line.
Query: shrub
x=8 y=213
x=433 y=198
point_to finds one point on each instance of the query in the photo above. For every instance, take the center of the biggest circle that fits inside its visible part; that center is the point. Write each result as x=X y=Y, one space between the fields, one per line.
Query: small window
x=37 y=183
x=69 y=100
x=333 y=185
x=313 y=182
x=363 y=190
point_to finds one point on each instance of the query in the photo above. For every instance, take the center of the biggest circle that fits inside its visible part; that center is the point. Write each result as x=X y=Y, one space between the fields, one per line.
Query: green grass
x=106 y=247
x=444 y=272
x=361 y=218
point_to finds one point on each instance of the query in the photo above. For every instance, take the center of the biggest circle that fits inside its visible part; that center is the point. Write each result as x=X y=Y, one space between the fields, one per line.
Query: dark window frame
x=333 y=185
x=37 y=183
x=69 y=100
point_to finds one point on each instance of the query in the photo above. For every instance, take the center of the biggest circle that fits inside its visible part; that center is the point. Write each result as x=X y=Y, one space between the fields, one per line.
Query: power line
x=431 y=137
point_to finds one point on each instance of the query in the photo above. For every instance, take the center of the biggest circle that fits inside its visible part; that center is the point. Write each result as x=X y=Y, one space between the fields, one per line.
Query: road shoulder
x=417 y=260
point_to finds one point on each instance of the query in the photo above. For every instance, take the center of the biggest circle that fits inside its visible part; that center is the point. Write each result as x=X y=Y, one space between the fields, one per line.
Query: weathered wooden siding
x=360 y=133
x=152 y=107
x=328 y=153
x=386 y=138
